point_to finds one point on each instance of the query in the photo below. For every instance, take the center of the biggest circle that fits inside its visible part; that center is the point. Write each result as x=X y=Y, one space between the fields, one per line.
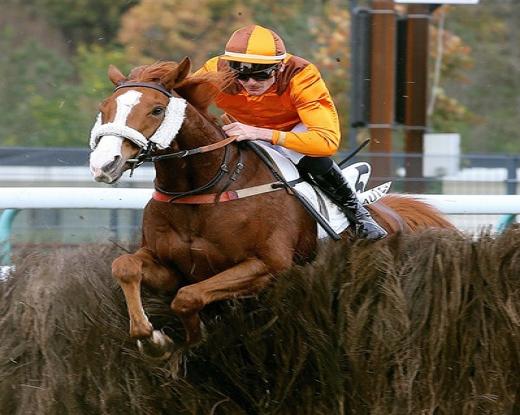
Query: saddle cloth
x=356 y=174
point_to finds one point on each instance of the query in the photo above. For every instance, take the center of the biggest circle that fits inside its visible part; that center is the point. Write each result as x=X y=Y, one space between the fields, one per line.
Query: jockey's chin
x=256 y=88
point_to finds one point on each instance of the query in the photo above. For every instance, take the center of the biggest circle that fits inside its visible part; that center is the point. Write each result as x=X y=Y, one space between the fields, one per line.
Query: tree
x=491 y=88
x=172 y=29
x=84 y=21
x=331 y=32
x=52 y=98
x=454 y=56
x=53 y=72
x=33 y=92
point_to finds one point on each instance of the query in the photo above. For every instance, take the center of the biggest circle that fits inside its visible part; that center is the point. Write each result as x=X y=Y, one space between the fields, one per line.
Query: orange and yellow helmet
x=255 y=44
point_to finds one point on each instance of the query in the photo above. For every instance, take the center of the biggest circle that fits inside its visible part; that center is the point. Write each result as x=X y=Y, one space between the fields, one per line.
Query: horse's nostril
x=112 y=164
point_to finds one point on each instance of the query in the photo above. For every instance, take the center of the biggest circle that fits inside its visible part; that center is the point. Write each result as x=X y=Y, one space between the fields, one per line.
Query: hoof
x=158 y=346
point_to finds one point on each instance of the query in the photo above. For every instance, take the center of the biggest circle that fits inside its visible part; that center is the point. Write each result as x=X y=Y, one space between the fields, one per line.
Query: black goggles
x=258 y=72
x=257 y=76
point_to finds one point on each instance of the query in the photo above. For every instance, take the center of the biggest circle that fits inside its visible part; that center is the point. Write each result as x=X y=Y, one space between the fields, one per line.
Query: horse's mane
x=199 y=90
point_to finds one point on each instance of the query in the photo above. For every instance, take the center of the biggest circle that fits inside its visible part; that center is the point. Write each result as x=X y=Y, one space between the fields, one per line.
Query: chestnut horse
x=204 y=252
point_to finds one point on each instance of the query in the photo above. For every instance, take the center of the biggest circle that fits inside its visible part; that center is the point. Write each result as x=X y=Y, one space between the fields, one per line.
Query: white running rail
x=131 y=198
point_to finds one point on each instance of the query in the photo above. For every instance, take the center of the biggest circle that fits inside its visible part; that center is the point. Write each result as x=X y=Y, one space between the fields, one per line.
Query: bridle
x=149 y=148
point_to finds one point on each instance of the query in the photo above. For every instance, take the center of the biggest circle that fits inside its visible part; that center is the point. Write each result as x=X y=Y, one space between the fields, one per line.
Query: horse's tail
x=404 y=213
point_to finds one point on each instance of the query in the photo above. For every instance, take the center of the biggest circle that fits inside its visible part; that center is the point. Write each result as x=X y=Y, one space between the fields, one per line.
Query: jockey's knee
x=315 y=166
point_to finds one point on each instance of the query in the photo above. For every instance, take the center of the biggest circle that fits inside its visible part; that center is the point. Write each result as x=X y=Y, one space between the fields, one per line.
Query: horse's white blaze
x=125 y=103
x=109 y=146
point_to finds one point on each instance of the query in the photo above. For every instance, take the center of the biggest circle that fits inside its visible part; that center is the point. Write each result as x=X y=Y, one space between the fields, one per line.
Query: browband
x=151 y=85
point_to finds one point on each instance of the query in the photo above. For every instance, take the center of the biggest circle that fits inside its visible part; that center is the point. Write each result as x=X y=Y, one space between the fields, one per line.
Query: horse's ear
x=178 y=75
x=115 y=75
x=184 y=69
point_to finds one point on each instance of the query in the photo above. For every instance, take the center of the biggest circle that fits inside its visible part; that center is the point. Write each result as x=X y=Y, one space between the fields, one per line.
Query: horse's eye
x=158 y=111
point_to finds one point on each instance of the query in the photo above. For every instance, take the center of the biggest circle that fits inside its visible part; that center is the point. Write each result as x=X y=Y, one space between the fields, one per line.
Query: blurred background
x=435 y=87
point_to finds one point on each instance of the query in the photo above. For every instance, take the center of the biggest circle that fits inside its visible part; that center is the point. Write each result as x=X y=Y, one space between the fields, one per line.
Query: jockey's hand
x=247 y=132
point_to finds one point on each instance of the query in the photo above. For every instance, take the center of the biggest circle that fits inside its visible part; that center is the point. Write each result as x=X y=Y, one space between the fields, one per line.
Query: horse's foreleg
x=248 y=277
x=132 y=269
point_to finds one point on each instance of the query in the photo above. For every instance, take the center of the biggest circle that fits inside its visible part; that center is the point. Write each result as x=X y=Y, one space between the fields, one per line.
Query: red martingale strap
x=196 y=199
x=210 y=198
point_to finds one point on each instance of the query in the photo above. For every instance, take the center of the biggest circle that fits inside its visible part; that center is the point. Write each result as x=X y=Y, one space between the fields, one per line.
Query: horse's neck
x=184 y=174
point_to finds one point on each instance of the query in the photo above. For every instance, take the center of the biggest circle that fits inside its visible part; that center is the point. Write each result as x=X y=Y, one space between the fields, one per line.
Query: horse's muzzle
x=109 y=172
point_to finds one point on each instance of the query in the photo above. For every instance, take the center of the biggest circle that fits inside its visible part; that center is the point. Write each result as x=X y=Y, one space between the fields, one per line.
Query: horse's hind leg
x=248 y=277
x=130 y=271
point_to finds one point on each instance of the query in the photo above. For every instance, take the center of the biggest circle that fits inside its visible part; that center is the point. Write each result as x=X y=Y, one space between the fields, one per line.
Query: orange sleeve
x=317 y=112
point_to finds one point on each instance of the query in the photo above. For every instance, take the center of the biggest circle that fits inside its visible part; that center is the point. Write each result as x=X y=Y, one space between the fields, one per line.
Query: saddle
x=357 y=175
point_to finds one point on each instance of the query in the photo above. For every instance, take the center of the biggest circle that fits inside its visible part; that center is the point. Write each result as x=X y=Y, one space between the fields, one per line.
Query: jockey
x=282 y=99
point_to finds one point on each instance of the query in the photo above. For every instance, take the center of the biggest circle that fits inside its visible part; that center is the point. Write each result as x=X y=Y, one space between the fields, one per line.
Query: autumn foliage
x=53 y=52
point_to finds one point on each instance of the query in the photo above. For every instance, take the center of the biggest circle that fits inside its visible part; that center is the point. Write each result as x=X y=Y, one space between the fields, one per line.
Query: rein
x=223 y=169
x=198 y=150
x=145 y=155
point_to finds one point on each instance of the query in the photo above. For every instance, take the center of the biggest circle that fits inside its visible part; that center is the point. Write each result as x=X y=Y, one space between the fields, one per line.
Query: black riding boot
x=334 y=184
